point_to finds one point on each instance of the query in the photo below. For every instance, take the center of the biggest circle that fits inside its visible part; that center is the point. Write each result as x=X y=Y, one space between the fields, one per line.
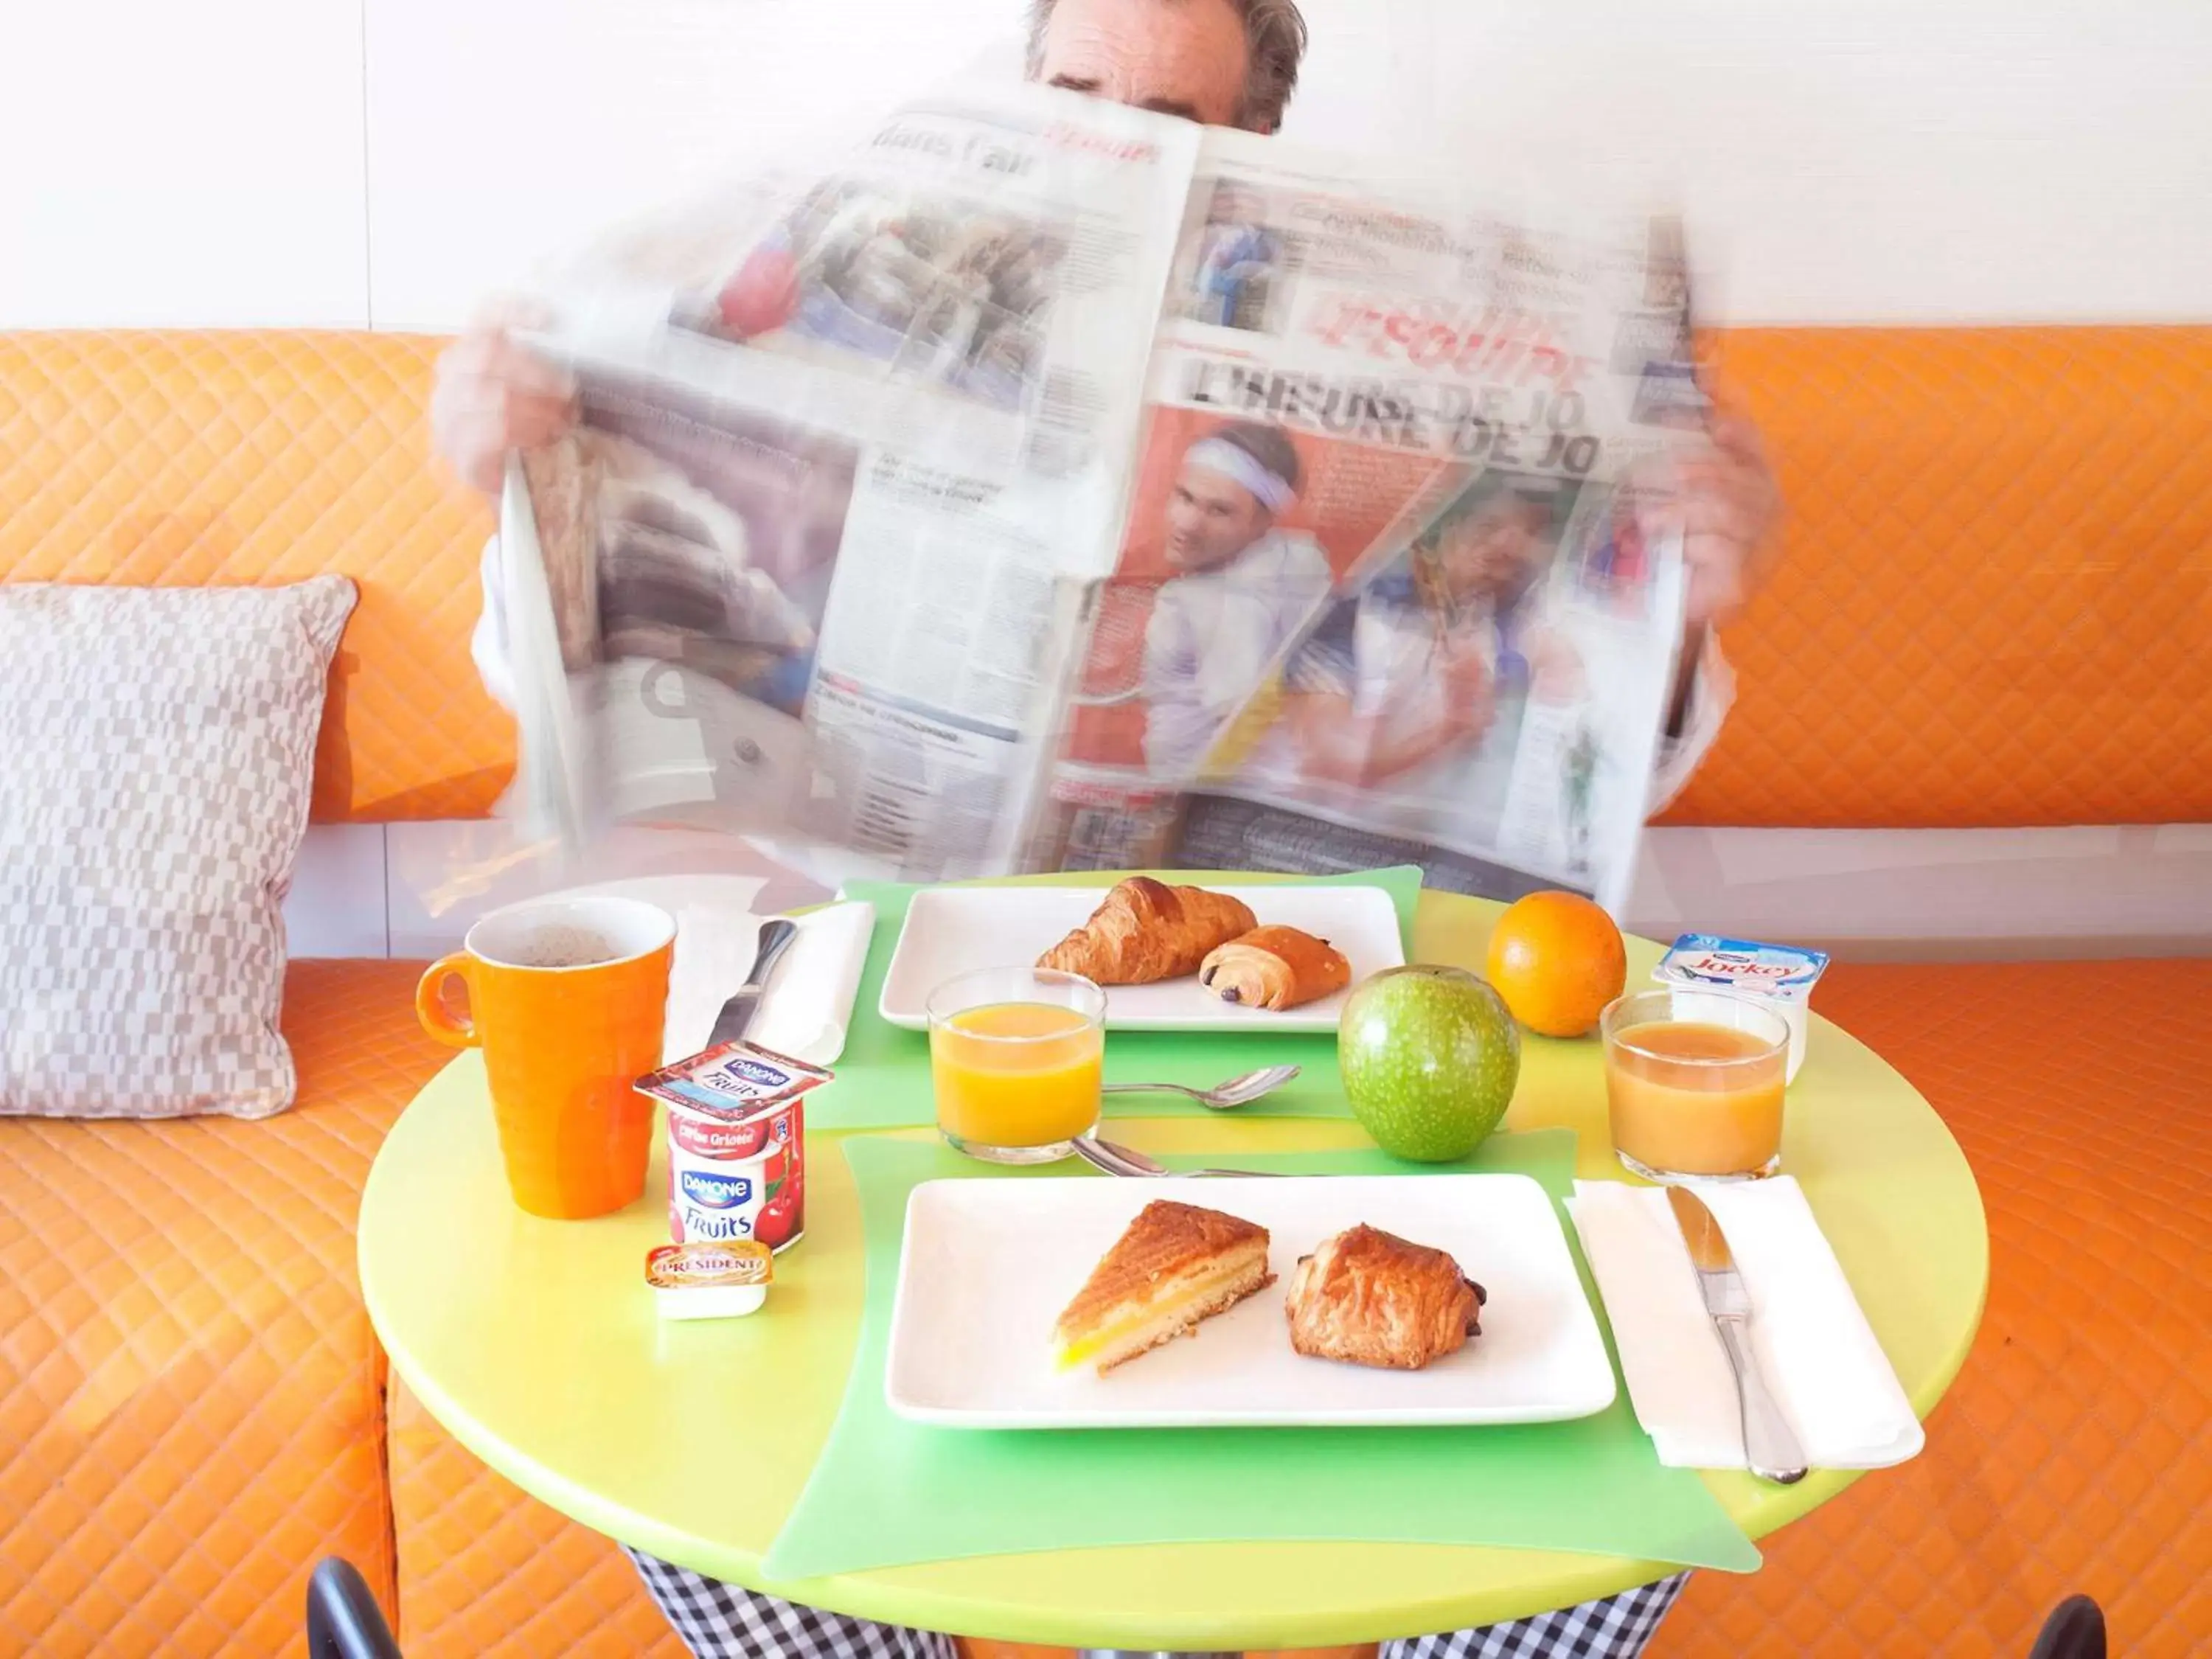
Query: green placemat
x=886 y=1493
x=882 y=1076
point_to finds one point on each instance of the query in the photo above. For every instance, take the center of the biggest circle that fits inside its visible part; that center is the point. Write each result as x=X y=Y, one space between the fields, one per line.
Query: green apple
x=1429 y=1056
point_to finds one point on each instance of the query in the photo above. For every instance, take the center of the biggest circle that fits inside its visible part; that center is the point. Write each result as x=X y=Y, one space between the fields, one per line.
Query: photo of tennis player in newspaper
x=1463 y=680
x=1237 y=531
x=1451 y=693
x=1380 y=598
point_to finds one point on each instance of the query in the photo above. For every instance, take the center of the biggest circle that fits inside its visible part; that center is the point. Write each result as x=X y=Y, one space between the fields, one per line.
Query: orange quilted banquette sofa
x=1995 y=608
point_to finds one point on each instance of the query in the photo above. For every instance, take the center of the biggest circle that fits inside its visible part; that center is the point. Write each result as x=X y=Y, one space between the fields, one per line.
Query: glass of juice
x=1694 y=1082
x=1015 y=1056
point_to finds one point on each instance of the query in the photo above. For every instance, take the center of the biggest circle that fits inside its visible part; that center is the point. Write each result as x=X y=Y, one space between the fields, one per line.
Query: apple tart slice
x=1176 y=1265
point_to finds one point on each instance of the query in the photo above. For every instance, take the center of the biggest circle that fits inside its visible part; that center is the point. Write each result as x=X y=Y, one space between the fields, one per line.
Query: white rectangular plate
x=988 y=1265
x=954 y=930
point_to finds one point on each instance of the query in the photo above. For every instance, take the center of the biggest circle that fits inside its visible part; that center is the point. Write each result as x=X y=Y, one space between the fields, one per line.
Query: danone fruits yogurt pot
x=737 y=1144
x=1783 y=974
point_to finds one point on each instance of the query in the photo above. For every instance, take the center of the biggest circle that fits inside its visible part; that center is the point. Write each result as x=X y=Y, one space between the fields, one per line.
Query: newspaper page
x=1383 y=597
x=854 y=439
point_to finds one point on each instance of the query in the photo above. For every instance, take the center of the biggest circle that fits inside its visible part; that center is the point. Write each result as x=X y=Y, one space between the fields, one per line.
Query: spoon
x=1223 y=1096
x=1119 y=1160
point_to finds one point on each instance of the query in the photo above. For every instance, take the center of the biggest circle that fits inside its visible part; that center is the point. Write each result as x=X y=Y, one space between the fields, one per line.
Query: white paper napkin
x=1821 y=1360
x=808 y=1002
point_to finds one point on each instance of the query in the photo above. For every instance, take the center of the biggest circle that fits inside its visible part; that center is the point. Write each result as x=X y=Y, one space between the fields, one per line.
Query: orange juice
x=1016 y=1074
x=1691 y=1098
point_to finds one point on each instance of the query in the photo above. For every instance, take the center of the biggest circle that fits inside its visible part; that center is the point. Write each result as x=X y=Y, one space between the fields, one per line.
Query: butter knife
x=1769 y=1446
x=738 y=1012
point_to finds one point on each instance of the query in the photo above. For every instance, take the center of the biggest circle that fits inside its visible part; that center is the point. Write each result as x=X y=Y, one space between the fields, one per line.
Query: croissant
x=1371 y=1298
x=1274 y=968
x=1145 y=931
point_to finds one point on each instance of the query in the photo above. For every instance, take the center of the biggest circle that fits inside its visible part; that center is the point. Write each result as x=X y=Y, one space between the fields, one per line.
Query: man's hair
x=1266 y=445
x=1274 y=41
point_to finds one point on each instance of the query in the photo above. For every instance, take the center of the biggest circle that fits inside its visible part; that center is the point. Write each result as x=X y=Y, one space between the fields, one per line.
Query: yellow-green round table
x=534 y=1343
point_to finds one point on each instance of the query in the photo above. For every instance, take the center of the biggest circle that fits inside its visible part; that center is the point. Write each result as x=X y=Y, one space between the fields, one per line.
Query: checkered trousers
x=1615 y=1628
x=722 y=1621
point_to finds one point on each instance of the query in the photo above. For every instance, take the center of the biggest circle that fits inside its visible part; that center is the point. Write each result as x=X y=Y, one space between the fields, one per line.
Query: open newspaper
x=1044 y=484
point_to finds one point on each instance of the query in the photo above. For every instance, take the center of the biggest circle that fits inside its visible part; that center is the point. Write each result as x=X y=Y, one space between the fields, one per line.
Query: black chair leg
x=2075 y=1629
x=343 y=1621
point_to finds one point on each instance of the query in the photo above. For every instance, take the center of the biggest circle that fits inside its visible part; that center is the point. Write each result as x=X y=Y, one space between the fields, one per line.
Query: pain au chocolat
x=1274 y=968
x=1369 y=1298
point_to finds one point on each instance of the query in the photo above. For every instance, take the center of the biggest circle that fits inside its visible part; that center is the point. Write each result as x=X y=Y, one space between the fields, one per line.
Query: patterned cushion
x=154 y=783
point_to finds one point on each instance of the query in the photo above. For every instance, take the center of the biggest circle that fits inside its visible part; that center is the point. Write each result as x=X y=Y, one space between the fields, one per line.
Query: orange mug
x=566 y=1000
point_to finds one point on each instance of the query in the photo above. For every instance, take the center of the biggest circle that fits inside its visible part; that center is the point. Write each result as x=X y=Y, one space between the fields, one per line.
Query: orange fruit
x=1557 y=959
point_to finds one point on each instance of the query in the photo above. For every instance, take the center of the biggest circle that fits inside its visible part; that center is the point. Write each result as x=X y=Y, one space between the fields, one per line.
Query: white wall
x=499 y=130
x=195 y=163
x=387 y=162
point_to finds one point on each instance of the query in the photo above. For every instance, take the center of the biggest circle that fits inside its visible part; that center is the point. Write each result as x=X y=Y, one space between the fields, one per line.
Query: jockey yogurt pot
x=1782 y=975
x=737 y=1144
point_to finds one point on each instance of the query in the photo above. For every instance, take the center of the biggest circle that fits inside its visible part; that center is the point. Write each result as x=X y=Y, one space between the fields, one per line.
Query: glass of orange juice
x=1015 y=1056
x=1693 y=1083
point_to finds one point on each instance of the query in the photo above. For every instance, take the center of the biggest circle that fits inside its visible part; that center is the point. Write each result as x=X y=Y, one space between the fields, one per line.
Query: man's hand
x=1723 y=497
x=492 y=396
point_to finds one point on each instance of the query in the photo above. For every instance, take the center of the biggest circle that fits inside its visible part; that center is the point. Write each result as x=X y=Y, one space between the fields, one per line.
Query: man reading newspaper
x=1454 y=623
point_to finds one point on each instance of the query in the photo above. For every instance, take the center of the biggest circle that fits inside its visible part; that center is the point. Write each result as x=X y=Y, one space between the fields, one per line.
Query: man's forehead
x=1185 y=57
